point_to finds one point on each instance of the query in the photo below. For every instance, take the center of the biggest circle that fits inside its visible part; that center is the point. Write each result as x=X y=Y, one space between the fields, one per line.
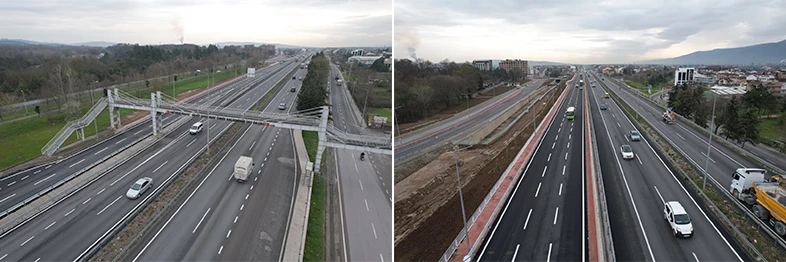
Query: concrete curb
x=294 y=245
x=488 y=211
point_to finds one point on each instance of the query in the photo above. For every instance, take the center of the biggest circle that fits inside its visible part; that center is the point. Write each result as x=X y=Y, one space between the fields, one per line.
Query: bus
x=571 y=112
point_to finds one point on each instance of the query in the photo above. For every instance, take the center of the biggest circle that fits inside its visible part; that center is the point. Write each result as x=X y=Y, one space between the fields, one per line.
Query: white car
x=282 y=106
x=678 y=219
x=627 y=152
x=139 y=187
x=196 y=128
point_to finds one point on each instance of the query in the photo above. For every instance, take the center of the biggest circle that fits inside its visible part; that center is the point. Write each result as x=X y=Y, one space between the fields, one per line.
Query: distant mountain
x=95 y=44
x=769 y=53
x=5 y=41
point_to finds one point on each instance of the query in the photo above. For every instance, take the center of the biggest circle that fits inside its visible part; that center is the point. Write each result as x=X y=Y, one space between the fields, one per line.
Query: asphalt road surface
x=544 y=218
x=442 y=133
x=226 y=220
x=365 y=187
x=68 y=229
x=636 y=190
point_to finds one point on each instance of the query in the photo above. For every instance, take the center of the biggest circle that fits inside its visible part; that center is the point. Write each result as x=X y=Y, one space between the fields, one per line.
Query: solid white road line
x=203 y=218
x=527 y=221
x=538 y=191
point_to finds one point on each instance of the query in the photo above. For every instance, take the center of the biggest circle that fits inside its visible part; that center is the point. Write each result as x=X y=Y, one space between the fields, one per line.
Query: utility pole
x=709 y=144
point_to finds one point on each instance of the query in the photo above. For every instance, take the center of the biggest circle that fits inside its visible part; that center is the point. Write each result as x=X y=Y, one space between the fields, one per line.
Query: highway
x=544 y=217
x=18 y=186
x=365 y=187
x=636 y=190
x=442 y=132
x=226 y=220
x=70 y=228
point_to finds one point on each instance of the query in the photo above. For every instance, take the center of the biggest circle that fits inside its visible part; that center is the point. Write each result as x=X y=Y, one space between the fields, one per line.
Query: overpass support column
x=322 y=138
x=111 y=100
x=153 y=113
x=158 y=103
x=117 y=96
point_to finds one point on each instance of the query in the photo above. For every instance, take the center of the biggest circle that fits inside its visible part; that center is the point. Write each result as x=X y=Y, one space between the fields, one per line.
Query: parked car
x=627 y=152
x=196 y=128
x=604 y=106
x=282 y=106
x=139 y=187
x=678 y=219
x=634 y=135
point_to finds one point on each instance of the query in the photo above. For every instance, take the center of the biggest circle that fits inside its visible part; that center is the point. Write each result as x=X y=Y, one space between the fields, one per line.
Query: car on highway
x=627 y=152
x=605 y=95
x=282 y=106
x=139 y=187
x=294 y=77
x=604 y=106
x=678 y=219
x=196 y=128
x=634 y=135
x=293 y=89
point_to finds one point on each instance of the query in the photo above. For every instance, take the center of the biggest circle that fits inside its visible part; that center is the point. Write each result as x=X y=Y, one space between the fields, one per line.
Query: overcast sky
x=303 y=22
x=579 y=31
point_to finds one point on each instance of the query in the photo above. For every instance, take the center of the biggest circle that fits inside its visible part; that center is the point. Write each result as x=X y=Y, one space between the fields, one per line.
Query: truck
x=766 y=198
x=669 y=116
x=338 y=82
x=243 y=168
x=302 y=66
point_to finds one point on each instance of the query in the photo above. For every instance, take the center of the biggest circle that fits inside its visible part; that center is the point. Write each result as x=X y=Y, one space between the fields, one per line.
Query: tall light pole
x=709 y=144
x=25 y=99
x=461 y=198
x=395 y=118
x=364 y=105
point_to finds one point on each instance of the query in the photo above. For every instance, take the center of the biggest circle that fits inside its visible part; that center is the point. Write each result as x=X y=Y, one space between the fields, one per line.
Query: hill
x=769 y=53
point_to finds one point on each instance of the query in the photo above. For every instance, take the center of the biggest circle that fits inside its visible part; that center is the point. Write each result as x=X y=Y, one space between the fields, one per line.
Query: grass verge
x=384 y=112
x=771 y=128
x=311 y=139
x=314 y=249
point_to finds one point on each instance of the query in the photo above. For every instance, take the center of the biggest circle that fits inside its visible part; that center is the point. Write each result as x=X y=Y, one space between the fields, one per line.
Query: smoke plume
x=177 y=27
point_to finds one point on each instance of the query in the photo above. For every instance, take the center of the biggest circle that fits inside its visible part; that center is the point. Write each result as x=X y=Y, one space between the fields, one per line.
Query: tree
x=379 y=65
x=730 y=119
x=749 y=131
x=38 y=110
x=7 y=99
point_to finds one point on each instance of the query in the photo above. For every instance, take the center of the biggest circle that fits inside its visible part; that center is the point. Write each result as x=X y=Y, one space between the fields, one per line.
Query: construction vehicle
x=766 y=198
x=669 y=116
x=243 y=168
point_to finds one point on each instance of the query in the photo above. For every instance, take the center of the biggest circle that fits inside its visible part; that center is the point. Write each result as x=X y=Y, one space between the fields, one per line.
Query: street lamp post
x=709 y=144
x=395 y=118
x=461 y=198
x=364 y=105
x=25 y=99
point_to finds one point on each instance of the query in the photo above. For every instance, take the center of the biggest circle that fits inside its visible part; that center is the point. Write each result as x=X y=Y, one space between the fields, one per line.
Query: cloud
x=306 y=23
x=583 y=31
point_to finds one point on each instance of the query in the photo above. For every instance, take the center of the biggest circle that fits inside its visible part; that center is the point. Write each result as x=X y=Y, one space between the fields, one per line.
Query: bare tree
x=423 y=93
x=7 y=99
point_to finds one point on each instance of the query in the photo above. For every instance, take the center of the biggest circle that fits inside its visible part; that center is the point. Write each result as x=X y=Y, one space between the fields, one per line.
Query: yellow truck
x=766 y=199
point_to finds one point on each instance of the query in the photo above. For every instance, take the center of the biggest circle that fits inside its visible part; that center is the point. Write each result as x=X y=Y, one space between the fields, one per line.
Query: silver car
x=634 y=135
x=627 y=152
x=282 y=106
x=139 y=187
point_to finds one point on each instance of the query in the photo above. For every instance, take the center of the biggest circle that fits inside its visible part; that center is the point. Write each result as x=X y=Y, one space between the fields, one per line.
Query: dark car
x=604 y=106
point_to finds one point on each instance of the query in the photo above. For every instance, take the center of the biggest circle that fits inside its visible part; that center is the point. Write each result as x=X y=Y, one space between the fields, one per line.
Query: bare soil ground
x=427 y=209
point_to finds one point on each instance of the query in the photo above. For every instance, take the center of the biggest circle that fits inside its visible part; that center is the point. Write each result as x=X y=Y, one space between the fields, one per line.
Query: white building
x=357 y=52
x=683 y=75
x=705 y=79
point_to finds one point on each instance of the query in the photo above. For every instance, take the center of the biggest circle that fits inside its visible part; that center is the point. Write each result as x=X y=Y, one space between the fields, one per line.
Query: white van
x=678 y=219
x=196 y=128
x=243 y=168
